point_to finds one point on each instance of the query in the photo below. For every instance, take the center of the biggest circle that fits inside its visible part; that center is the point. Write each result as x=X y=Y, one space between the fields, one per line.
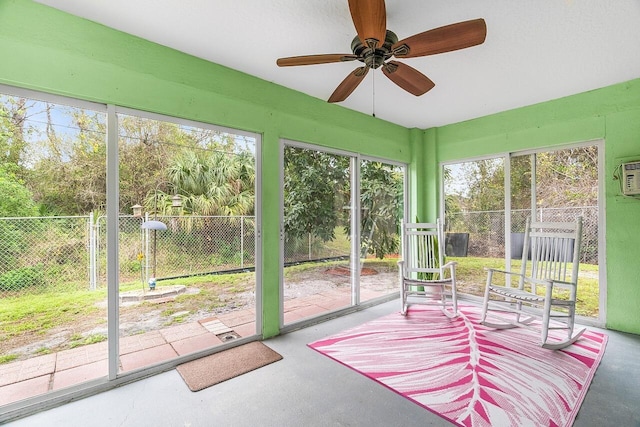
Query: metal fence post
x=92 y=253
x=242 y=242
x=146 y=250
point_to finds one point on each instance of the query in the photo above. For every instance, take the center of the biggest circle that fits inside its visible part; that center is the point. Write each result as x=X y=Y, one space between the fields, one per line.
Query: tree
x=212 y=183
x=13 y=129
x=69 y=175
x=15 y=199
x=315 y=188
x=381 y=199
x=485 y=181
x=567 y=177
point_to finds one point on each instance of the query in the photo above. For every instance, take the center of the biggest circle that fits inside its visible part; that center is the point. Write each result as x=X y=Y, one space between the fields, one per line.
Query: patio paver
x=140 y=342
x=27 y=369
x=146 y=357
x=84 y=355
x=79 y=374
x=195 y=343
x=24 y=389
x=182 y=331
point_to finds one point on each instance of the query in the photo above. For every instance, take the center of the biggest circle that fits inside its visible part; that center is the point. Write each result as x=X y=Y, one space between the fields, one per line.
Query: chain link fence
x=38 y=253
x=63 y=254
x=313 y=248
x=484 y=232
x=190 y=245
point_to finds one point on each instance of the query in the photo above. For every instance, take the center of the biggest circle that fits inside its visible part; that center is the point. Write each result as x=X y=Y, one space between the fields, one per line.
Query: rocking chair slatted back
x=551 y=251
x=422 y=249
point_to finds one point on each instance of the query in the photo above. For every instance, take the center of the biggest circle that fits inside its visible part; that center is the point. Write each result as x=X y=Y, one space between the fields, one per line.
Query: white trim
x=314 y=147
x=52 y=98
x=475 y=159
x=257 y=203
x=507 y=210
x=113 y=230
x=356 y=228
x=183 y=122
x=602 y=235
x=282 y=144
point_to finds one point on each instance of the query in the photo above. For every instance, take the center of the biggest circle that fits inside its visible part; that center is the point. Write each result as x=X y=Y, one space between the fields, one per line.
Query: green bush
x=21 y=278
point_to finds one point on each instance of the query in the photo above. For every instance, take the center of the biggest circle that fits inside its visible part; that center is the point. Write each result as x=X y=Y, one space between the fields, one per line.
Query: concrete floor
x=308 y=389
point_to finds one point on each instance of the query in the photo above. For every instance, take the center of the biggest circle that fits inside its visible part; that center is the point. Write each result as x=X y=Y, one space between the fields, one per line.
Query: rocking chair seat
x=516 y=293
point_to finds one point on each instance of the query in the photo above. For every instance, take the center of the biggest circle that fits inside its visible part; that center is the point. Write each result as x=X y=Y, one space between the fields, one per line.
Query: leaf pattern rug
x=469 y=374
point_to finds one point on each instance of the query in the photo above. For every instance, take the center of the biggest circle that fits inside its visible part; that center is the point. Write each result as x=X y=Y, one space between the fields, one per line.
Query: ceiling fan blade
x=408 y=78
x=348 y=85
x=443 y=39
x=315 y=59
x=370 y=20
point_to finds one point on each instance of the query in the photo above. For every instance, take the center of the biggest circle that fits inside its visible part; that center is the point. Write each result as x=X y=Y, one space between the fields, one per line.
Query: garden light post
x=155 y=225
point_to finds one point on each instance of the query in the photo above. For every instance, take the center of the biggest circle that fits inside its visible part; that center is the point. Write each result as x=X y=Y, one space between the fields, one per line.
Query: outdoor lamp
x=176 y=201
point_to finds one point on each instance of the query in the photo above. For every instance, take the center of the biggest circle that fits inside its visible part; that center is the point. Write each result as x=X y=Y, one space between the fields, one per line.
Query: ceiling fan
x=375 y=46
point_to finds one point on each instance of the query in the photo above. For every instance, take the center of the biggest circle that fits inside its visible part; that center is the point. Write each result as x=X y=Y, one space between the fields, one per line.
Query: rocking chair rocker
x=550 y=260
x=422 y=271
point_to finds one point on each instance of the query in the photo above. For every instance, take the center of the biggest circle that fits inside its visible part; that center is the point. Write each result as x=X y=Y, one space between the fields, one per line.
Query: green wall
x=45 y=49
x=611 y=113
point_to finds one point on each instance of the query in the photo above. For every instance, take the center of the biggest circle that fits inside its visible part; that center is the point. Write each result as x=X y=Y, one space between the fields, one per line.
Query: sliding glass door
x=474 y=213
x=317 y=216
x=561 y=185
x=129 y=243
x=341 y=220
x=53 y=311
x=187 y=242
x=546 y=185
x=381 y=213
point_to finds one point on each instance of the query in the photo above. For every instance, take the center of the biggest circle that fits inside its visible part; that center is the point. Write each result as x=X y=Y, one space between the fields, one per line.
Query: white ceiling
x=534 y=50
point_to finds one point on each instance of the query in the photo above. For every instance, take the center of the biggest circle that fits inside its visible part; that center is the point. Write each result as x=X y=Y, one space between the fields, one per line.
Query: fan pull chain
x=373 y=100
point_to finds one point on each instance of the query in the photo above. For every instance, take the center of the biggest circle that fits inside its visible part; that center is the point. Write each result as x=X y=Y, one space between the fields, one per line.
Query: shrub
x=21 y=278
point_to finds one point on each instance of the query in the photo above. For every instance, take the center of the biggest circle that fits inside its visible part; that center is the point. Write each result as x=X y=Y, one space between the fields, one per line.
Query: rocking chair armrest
x=550 y=282
x=401 y=267
x=490 y=272
x=450 y=264
x=563 y=283
x=497 y=270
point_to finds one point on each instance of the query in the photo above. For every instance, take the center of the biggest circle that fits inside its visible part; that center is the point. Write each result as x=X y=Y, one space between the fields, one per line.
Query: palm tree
x=214 y=183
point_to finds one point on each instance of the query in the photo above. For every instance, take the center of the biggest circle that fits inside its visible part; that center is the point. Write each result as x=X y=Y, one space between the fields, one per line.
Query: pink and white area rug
x=469 y=374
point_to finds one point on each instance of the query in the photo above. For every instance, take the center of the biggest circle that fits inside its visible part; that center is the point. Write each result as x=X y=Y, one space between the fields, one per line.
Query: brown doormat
x=227 y=364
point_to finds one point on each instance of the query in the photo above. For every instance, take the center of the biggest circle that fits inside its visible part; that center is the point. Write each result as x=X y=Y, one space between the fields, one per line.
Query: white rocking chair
x=422 y=271
x=550 y=260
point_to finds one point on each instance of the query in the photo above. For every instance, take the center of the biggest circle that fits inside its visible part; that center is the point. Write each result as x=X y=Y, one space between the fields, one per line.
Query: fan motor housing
x=374 y=58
